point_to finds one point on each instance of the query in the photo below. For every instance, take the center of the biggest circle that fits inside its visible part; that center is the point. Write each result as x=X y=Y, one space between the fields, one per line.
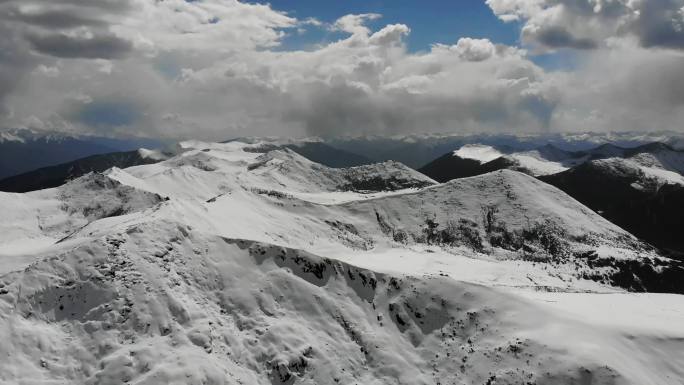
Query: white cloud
x=474 y=49
x=355 y=24
x=208 y=69
x=587 y=24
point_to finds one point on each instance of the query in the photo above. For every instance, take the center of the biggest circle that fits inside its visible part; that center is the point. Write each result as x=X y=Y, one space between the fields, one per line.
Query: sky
x=442 y=21
x=215 y=69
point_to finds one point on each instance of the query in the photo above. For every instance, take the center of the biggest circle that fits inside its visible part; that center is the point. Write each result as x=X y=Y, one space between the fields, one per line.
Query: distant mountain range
x=420 y=149
x=54 y=176
x=24 y=150
x=57 y=175
x=639 y=188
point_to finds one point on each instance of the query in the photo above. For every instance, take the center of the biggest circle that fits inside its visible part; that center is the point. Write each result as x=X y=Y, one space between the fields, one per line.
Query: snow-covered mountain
x=478 y=159
x=646 y=200
x=545 y=160
x=637 y=188
x=237 y=263
x=657 y=160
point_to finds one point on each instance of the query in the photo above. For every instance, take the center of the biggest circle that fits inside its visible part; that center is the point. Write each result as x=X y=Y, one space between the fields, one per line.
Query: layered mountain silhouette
x=23 y=150
x=54 y=176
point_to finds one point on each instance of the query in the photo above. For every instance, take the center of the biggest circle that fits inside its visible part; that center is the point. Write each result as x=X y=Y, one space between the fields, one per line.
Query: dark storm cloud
x=346 y=109
x=108 y=113
x=661 y=24
x=56 y=18
x=56 y=28
x=14 y=62
x=68 y=28
x=584 y=24
x=558 y=37
x=99 y=46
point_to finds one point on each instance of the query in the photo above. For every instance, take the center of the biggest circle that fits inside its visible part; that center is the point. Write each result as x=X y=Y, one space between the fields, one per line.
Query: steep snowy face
x=239 y=263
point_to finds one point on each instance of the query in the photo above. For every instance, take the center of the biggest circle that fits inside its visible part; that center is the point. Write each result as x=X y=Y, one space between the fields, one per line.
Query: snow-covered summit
x=544 y=160
x=481 y=153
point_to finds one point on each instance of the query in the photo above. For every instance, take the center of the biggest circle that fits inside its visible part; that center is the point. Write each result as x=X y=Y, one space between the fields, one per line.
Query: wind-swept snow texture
x=230 y=265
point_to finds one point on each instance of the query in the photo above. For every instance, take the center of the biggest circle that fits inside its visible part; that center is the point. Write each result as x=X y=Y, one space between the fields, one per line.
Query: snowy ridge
x=266 y=268
x=648 y=176
x=657 y=160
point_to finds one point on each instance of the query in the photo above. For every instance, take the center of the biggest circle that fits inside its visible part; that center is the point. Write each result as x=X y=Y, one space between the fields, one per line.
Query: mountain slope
x=40 y=218
x=623 y=184
x=161 y=303
x=54 y=176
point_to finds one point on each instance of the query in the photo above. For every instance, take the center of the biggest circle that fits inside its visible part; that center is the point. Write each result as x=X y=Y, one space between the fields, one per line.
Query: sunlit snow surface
x=479 y=152
x=227 y=265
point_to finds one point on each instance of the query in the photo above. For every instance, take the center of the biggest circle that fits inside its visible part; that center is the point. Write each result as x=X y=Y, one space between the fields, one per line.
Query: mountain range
x=241 y=262
x=24 y=150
